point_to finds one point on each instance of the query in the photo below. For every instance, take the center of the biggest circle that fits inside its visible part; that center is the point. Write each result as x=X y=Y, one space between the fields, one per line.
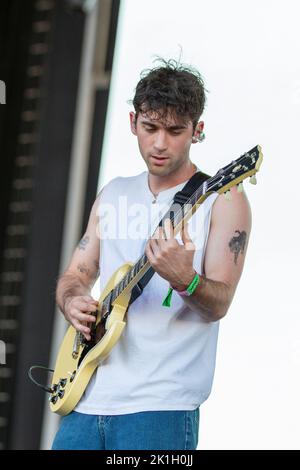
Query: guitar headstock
x=247 y=165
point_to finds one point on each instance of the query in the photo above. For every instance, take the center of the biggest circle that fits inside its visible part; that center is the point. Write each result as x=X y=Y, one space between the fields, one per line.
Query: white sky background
x=248 y=53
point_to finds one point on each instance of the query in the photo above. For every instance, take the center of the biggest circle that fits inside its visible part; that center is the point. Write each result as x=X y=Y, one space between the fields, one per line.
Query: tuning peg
x=240 y=188
x=227 y=195
x=253 y=179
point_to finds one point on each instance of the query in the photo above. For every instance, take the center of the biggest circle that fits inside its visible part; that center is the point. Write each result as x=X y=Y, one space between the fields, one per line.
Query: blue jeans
x=147 y=430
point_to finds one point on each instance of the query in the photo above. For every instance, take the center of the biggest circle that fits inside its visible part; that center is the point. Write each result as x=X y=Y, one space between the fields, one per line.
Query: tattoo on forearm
x=237 y=244
x=83 y=242
x=82 y=267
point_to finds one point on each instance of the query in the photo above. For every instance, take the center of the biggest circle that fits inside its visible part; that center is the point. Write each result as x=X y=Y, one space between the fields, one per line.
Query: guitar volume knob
x=62 y=383
x=53 y=399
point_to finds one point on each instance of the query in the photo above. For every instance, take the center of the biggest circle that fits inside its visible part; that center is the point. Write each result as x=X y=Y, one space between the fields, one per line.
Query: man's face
x=164 y=144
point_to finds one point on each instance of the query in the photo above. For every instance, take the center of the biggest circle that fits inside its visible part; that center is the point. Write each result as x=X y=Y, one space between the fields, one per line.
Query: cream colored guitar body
x=71 y=374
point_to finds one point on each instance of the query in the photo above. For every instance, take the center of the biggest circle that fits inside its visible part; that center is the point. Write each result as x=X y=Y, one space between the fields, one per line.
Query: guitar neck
x=230 y=175
x=177 y=214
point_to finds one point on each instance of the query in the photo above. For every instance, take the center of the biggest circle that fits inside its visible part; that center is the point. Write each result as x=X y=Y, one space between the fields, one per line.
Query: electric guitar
x=78 y=358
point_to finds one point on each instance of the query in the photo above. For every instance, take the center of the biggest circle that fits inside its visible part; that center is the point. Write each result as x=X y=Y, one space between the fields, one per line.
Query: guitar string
x=216 y=178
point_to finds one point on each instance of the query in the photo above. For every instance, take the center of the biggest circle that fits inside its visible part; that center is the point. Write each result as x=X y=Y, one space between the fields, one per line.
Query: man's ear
x=132 y=117
x=198 y=131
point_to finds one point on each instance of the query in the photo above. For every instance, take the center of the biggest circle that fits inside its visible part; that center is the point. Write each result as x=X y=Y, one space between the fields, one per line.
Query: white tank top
x=165 y=358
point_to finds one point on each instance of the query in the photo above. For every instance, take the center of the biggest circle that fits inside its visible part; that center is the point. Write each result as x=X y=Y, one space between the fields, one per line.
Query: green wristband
x=189 y=290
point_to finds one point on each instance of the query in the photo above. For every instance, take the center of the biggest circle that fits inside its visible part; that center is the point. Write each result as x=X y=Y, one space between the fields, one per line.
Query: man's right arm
x=75 y=284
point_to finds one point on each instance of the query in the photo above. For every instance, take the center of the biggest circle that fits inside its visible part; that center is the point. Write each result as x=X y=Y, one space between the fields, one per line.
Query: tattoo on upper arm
x=83 y=242
x=237 y=244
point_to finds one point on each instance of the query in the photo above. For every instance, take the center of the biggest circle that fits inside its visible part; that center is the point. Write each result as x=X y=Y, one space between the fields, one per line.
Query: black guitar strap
x=180 y=198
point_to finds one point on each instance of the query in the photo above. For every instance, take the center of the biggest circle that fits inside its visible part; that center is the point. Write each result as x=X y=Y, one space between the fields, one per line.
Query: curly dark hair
x=171 y=89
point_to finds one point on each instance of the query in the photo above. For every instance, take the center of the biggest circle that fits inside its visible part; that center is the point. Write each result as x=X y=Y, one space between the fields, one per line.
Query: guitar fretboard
x=176 y=216
x=231 y=174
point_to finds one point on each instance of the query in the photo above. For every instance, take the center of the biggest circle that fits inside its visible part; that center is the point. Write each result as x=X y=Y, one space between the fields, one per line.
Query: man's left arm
x=223 y=260
x=224 y=256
